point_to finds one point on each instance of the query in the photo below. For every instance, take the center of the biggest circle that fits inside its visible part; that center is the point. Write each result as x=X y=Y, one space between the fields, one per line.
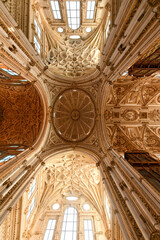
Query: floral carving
x=22 y=117
x=130 y=115
x=134 y=108
x=154 y=115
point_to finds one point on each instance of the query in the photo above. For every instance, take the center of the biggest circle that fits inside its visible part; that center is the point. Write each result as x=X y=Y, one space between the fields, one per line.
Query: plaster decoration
x=148 y=92
x=107 y=114
x=94 y=88
x=92 y=140
x=158 y=99
x=19 y=12
x=54 y=139
x=75 y=58
x=155 y=236
x=71 y=173
x=154 y=115
x=132 y=114
x=22 y=115
x=74 y=115
x=54 y=90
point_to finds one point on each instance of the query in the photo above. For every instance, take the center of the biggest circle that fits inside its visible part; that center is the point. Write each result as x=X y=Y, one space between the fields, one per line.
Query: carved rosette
x=74 y=115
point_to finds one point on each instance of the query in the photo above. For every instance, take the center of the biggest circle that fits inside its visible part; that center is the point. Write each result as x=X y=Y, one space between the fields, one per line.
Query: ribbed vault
x=70 y=174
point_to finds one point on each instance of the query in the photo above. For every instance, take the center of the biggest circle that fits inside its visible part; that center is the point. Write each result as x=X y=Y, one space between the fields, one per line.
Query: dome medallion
x=74 y=115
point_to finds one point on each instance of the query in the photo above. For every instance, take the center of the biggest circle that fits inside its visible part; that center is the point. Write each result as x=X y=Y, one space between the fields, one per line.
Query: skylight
x=125 y=73
x=86 y=207
x=55 y=206
x=37 y=45
x=56 y=9
x=74 y=36
x=37 y=28
x=60 y=29
x=71 y=198
x=73 y=14
x=88 y=29
x=90 y=9
x=9 y=71
x=5 y=159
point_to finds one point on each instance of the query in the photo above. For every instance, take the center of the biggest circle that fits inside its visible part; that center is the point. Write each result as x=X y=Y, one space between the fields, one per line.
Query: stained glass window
x=9 y=71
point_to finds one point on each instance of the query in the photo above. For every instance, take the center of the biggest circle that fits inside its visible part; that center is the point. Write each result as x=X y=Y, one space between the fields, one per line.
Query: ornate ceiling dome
x=74 y=115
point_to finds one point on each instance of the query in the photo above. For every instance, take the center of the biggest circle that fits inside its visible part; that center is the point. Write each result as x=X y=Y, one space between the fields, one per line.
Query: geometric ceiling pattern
x=132 y=114
x=73 y=57
x=70 y=174
x=21 y=114
x=73 y=115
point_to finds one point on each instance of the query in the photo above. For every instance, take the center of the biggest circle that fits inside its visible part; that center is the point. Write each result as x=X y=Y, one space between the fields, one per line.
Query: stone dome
x=74 y=115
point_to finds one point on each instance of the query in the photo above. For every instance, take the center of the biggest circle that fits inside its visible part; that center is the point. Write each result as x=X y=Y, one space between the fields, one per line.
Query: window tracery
x=50 y=229
x=90 y=9
x=88 y=229
x=56 y=9
x=69 y=226
x=73 y=14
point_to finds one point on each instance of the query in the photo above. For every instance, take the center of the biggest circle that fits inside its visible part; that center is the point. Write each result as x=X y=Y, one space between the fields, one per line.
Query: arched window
x=69 y=226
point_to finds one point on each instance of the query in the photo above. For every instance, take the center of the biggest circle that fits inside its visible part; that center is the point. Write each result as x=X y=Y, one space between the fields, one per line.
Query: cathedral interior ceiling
x=105 y=112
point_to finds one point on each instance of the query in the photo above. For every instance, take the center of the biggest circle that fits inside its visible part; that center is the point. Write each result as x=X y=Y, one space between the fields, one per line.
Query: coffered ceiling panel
x=21 y=114
x=132 y=114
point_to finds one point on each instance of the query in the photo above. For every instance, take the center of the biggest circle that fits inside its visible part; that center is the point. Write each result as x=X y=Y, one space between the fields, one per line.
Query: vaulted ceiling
x=132 y=114
x=73 y=52
x=21 y=112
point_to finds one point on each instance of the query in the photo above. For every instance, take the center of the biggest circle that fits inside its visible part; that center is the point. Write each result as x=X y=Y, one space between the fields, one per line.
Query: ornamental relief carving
x=132 y=114
x=22 y=117
x=73 y=116
x=72 y=57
